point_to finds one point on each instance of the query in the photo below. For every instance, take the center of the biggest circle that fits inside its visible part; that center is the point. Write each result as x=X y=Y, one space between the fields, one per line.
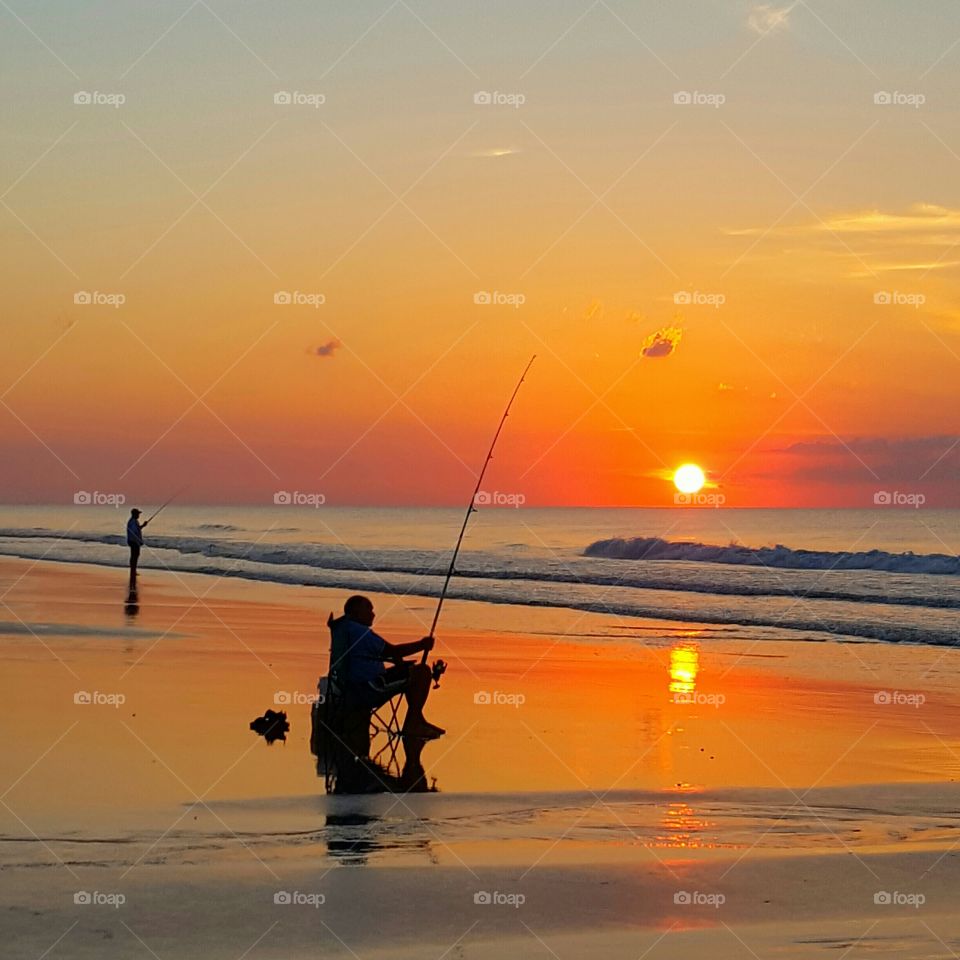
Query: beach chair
x=357 y=749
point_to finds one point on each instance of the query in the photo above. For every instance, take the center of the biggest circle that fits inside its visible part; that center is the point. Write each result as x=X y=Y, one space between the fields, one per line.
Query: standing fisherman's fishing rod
x=471 y=509
x=166 y=503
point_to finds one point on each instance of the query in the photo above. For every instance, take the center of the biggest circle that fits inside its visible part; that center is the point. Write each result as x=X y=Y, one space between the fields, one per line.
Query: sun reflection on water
x=684 y=667
x=683 y=828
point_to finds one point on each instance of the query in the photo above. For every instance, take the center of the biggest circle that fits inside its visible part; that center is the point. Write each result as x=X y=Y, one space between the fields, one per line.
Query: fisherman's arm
x=397 y=651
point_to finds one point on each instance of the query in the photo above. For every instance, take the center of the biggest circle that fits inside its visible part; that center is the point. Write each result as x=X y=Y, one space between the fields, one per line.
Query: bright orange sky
x=612 y=210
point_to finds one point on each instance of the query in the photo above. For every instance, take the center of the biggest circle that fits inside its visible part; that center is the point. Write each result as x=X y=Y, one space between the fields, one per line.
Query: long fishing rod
x=166 y=503
x=470 y=507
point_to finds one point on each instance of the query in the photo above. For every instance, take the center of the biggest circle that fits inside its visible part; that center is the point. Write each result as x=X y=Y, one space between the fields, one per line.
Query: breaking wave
x=654 y=548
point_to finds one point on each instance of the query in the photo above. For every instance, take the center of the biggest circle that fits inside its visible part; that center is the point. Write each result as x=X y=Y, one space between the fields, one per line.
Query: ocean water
x=888 y=575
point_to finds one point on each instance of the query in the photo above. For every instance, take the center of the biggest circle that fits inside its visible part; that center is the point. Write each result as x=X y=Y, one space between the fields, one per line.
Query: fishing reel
x=438 y=669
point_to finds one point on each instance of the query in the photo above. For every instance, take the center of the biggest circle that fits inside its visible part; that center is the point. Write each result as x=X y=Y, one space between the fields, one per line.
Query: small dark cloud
x=327 y=349
x=662 y=343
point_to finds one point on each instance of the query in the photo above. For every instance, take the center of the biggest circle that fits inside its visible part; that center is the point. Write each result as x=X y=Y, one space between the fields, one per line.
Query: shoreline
x=764 y=770
x=831 y=617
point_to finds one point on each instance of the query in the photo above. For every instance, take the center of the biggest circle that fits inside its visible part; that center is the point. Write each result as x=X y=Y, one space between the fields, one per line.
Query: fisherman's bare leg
x=418 y=689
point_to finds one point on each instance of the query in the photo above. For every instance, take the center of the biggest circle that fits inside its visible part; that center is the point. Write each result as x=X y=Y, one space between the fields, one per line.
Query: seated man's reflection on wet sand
x=368 y=775
x=352 y=838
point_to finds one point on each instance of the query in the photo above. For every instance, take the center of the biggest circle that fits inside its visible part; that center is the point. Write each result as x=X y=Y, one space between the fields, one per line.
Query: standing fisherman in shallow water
x=134 y=542
x=135 y=538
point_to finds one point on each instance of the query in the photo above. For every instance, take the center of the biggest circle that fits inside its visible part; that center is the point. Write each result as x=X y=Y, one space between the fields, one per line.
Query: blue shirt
x=133 y=531
x=365 y=654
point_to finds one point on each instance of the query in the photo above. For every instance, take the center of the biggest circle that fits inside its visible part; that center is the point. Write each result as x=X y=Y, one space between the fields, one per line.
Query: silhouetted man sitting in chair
x=369 y=684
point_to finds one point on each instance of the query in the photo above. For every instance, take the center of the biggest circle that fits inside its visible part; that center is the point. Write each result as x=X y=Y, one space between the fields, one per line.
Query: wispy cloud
x=918 y=219
x=494 y=152
x=906 y=267
x=765 y=18
x=880 y=241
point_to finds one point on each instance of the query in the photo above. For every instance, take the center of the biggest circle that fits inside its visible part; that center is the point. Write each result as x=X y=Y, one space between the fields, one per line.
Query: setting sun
x=689 y=478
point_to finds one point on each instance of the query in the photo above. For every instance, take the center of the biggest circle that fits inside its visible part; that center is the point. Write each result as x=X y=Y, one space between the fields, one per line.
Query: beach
x=606 y=784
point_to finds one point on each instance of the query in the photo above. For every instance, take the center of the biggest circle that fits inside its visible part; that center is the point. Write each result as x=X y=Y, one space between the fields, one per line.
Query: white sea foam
x=873 y=595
